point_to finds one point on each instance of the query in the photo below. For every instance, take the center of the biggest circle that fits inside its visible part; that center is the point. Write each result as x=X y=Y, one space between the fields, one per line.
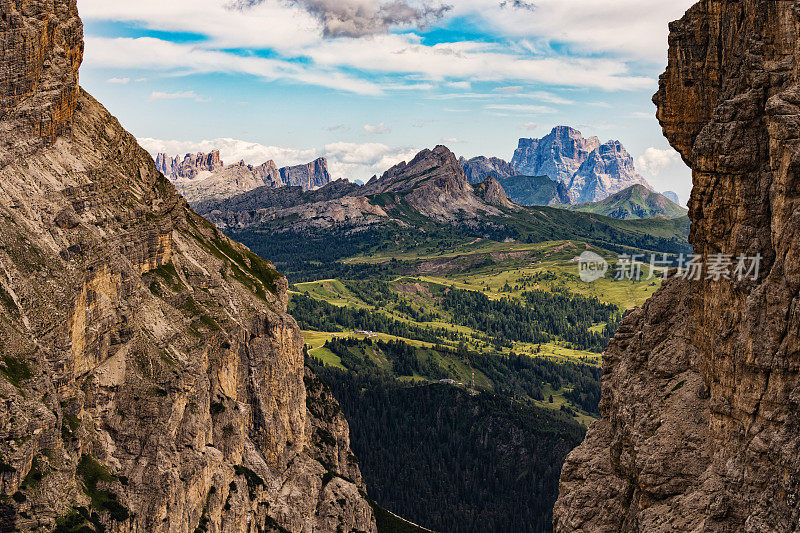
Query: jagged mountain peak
x=590 y=169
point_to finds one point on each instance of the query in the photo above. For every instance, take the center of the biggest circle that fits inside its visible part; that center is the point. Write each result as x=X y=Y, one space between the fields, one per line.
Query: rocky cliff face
x=608 y=170
x=701 y=387
x=150 y=377
x=434 y=184
x=558 y=154
x=479 y=168
x=308 y=176
x=592 y=171
x=190 y=166
x=492 y=193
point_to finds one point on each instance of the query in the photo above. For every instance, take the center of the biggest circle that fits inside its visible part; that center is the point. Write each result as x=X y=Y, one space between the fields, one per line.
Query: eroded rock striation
x=150 y=378
x=590 y=170
x=701 y=387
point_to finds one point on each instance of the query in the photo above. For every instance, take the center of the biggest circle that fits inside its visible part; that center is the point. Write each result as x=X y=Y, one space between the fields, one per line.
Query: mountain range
x=200 y=177
x=590 y=170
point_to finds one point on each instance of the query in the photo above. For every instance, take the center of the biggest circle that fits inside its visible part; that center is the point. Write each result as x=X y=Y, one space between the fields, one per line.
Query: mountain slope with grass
x=635 y=202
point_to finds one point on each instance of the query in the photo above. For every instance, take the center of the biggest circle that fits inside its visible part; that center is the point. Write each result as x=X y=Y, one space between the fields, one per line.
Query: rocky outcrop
x=701 y=386
x=608 y=170
x=590 y=170
x=492 y=193
x=308 y=176
x=150 y=377
x=479 y=168
x=434 y=184
x=192 y=165
x=38 y=83
x=228 y=182
x=557 y=155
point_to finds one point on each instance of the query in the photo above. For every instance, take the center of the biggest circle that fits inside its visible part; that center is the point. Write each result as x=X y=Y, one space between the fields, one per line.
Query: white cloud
x=531 y=126
x=459 y=85
x=362 y=160
x=218 y=25
x=655 y=160
x=232 y=150
x=451 y=140
x=182 y=95
x=513 y=89
x=119 y=81
x=356 y=18
x=377 y=129
x=156 y=54
x=522 y=108
x=632 y=29
x=477 y=61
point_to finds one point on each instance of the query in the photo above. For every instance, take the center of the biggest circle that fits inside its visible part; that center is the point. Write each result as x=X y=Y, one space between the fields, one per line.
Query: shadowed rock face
x=701 y=387
x=150 y=378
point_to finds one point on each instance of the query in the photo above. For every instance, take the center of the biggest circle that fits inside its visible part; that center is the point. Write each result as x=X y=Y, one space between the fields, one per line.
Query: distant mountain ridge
x=202 y=177
x=479 y=168
x=591 y=170
x=635 y=202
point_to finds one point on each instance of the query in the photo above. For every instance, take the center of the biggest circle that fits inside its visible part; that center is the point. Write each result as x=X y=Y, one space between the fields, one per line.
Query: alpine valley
x=446 y=316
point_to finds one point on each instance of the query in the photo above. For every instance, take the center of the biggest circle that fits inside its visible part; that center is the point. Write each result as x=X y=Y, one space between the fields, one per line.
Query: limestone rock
x=590 y=170
x=151 y=379
x=557 y=155
x=190 y=167
x=308 y=176
x=699 y=428
x=203 y=177
x=608 y=170
x=492 y=193
x=434 y=184
x=479 y=168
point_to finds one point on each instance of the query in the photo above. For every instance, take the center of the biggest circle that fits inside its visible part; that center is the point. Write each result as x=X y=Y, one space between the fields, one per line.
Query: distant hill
x=535 y=190
x=635 y=202
x=672 y=196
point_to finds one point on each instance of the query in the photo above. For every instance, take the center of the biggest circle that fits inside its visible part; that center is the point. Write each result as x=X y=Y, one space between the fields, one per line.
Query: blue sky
x=368 y=83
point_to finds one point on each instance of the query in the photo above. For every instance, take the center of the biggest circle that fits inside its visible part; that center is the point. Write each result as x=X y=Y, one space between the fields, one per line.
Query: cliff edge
x=150 y=377
x=701 y=386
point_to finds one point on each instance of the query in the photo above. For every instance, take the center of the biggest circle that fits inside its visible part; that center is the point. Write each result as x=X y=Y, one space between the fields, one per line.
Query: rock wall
x=150 y=378
x=701 y=387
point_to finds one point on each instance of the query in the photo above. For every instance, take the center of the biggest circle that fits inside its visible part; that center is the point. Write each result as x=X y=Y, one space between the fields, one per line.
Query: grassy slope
x=635 y=202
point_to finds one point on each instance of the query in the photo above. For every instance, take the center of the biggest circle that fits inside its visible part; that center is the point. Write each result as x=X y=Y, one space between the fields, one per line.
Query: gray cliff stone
x=150 y=377
x=701 y=386
x=479 y=168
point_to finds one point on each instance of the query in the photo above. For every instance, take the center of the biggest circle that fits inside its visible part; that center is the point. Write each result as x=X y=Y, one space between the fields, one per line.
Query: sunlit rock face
x=150 y=377
x=699 y=428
